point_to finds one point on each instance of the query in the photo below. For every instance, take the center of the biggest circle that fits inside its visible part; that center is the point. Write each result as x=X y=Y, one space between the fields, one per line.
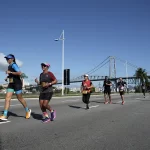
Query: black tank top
x=16 y=78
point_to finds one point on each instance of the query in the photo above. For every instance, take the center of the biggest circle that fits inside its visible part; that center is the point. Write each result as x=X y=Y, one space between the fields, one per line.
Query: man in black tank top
x=107 y=90
x=46 y=80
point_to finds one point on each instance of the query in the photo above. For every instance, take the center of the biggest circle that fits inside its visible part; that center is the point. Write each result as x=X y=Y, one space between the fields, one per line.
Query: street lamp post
x=62 y=38
x=127 y=73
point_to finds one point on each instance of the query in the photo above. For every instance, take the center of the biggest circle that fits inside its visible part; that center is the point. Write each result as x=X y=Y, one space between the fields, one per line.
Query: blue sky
x=94 y=30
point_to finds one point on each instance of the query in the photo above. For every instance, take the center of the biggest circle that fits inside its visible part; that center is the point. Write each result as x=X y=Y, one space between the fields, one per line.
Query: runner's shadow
x=98 y=102
x=36 y=116
x=145 y=100
x=13 y=114
x=77 y=107
x=103 y=102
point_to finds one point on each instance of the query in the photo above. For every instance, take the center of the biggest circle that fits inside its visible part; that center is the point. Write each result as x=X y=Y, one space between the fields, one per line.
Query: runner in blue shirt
x=15 y=85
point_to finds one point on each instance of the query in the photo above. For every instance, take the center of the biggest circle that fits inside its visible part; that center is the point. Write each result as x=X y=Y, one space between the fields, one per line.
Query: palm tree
x=142 y=75
x=23 y=76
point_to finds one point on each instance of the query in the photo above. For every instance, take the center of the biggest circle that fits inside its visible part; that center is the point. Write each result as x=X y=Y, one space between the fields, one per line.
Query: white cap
x=86 y=75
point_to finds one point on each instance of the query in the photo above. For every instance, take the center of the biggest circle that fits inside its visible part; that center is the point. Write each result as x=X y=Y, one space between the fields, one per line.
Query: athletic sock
x=26 y=109
x=5 y=112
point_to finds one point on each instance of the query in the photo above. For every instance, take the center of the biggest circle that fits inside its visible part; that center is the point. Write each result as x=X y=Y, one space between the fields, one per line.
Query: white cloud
x=4 y=64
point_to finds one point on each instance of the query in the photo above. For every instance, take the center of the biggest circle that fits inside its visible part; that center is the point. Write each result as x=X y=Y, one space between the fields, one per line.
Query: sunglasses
x=8 y=58
x=43 y=65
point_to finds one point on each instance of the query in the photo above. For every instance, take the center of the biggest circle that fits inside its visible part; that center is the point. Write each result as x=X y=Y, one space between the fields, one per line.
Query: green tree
x=142 y=75
x=23 y=76
x=1 y=87
x=66 y=90
x=93 y=89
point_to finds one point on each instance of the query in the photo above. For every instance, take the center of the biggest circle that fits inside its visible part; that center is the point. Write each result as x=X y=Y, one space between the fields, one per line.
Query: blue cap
x=9 y=56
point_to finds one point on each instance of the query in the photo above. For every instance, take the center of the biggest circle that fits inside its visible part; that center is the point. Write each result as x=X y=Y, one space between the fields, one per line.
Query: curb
x=55 y=97
x=52 y=97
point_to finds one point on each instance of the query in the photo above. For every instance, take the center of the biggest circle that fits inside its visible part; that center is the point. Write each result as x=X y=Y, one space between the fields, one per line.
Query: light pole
x=62 y=38
x=127 y=73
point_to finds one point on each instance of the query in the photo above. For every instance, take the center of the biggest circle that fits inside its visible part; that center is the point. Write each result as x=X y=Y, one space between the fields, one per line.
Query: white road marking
x=5 y=122
x=94 y=106
x=120 y=102
x=12 y=105
x=143 y=97
x=72 y=100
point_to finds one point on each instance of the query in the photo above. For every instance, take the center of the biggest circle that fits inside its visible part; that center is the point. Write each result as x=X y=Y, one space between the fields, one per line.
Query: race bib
x=84 y=92
x=43 y=84
x=11 y=80
x=121 y=88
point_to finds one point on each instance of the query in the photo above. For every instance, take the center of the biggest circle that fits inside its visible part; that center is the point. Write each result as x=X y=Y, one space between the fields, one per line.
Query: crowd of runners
x=45 y=83
x=87 y=86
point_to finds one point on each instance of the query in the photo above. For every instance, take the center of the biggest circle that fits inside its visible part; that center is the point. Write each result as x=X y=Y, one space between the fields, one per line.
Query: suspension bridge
x=111 y=61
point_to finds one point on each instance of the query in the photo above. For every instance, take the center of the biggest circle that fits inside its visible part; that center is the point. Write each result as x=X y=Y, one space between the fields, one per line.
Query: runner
x=15 y=85
x=143 y=89
x=148 y=89
x=107 y=90
x=86 y=90
x=47 y=79
x=121 y=85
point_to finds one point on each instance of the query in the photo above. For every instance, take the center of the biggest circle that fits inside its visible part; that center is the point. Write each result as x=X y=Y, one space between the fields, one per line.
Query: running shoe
x=2 y=117
x=123 y=103
x=28 y=114
x=87 y=106
x=110 y=102
x=45 y=120
x=106 y=102
x=53 y=115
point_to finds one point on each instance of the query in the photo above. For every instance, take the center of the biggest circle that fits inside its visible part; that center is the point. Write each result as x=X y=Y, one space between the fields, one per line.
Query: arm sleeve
x=16 y=68
x=52 y=76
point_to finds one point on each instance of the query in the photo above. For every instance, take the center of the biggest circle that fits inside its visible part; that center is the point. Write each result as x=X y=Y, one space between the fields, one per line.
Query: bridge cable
x=100 y=67
x=94 y=68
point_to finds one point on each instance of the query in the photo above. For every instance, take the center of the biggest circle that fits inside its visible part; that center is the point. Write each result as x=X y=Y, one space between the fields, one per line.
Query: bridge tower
x=112 y=70
x=112 y=67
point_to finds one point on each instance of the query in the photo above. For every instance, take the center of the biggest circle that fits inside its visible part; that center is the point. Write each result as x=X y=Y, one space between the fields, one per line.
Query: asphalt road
x=103 y=127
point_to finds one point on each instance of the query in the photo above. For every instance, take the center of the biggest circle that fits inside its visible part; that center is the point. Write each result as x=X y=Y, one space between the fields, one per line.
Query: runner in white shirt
x=121 y=85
